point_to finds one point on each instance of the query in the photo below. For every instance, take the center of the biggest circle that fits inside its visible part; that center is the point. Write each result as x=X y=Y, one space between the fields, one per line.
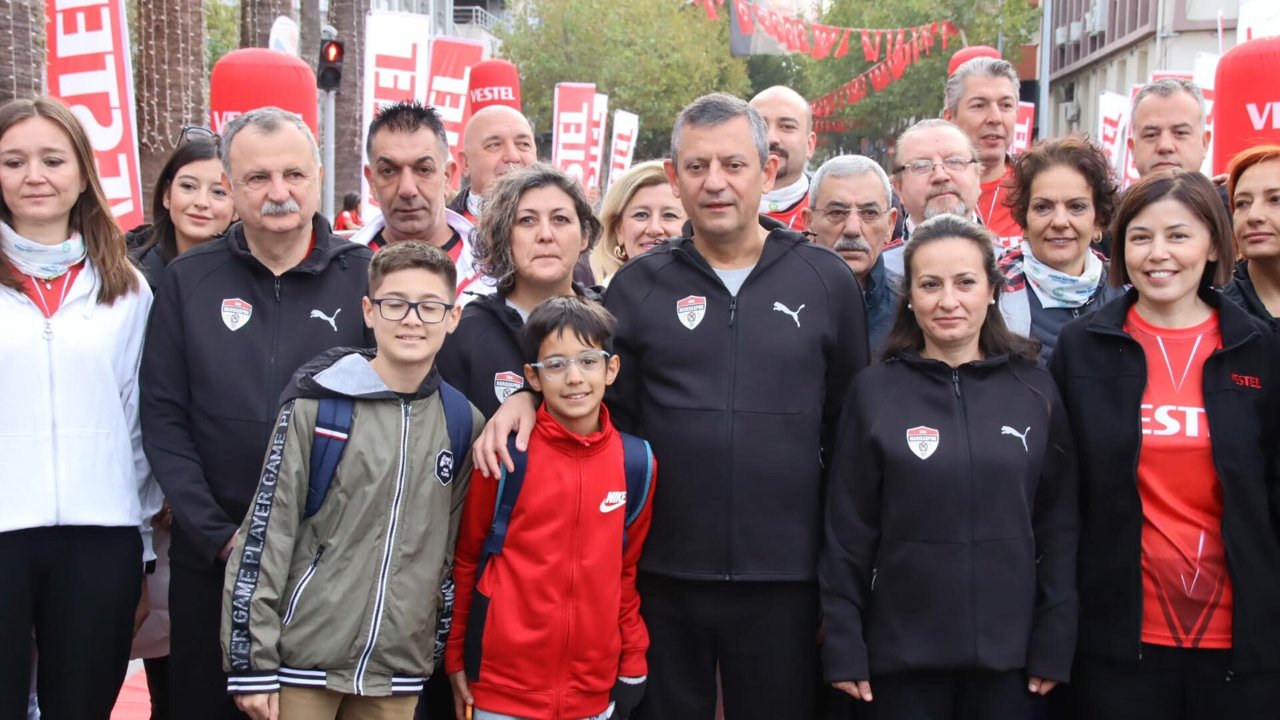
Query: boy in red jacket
x=556 y=628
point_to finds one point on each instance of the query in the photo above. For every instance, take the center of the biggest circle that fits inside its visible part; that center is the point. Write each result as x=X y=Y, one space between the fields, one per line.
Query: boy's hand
x=856 y=689
x=516 y=415
x=1040 y=686
x=260 y=706
x=462 y=699
x=627 y=694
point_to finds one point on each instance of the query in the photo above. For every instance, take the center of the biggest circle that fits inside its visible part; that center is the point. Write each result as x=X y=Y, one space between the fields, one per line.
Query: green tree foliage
x=651 y=58
x=918 y=93
x=222 y=33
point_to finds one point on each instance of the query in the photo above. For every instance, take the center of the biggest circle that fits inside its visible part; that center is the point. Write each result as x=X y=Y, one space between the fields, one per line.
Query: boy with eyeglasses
x=333 y=592
x=547 y=620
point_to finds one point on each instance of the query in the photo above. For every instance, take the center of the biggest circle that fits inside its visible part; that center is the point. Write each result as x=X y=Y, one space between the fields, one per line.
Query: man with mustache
x=233 y=319
x=851 y=211
x=791 y=140
x=981 y=97
x=410 y=172
x=937 y=173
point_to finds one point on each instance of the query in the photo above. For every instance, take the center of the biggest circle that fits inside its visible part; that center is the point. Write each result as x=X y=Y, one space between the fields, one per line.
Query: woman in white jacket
x=75 y=488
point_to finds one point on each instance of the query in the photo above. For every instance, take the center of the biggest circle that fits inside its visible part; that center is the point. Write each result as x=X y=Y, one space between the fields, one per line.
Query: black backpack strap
x=638 y=465
x=457 y=421
x=333 y=426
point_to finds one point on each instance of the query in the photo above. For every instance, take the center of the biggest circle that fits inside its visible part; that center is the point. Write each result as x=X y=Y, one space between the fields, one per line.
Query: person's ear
x=611 y=369
x=450 y=170
x=369 y=310
x=452 y=318
x=531 y=376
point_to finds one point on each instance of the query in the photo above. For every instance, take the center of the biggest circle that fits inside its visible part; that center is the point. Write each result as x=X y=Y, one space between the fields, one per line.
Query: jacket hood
x=346 y=372
x=1235 y=323
x=328 y=247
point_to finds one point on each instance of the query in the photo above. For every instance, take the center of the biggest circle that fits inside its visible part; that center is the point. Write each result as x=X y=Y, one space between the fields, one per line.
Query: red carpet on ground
x=134 y=702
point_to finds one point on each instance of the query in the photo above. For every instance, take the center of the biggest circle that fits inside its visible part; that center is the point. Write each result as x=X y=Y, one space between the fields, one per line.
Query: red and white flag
x=1113 y=114
x=451 y=62
x=595 y=154
x=1022 y=127
x=571 y=128
x=622 y=148
x=89 y=69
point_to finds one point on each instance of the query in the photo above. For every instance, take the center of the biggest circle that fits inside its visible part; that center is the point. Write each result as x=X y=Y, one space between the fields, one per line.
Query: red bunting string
x=710 y=6
x=899 y=53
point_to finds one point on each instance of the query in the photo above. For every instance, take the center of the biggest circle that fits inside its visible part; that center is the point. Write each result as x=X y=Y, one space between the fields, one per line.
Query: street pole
x=330 y=168
x=1046 y=49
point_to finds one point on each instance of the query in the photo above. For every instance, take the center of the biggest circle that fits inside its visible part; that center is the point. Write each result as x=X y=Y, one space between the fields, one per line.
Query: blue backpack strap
x=333 y=426
x=637 y=460
x=508 y=492
x=457 y=420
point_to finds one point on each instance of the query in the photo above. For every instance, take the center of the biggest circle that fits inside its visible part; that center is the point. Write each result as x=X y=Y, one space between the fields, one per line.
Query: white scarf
x=1057 y=289
x=780 y=199
x=475 y=204
x=45 y=262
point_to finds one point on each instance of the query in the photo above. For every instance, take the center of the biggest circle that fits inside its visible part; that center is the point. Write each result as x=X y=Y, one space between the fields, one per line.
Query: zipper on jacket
x=733 y=384
x=955 y=380
x=875 y=573
x=733 y=308
x=573 y=576
x=302 y=585
x=53 y=421
x=277 y=288
x=968 y=463
x=384 y=569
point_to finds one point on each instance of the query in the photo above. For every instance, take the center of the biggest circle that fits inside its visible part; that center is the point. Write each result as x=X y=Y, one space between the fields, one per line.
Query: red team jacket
x=563 y=620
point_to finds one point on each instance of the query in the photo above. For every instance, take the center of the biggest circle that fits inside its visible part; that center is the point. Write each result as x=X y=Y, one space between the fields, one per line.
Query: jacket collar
x=1235 y=324
x=346 y=372
x=550 y=429
x=495 y=304
x=776 y=244
x=328 y=246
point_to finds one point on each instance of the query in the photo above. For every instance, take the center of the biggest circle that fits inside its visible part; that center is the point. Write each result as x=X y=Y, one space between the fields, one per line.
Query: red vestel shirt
x=1187 y=598
x=997 y=217
x=48 y=296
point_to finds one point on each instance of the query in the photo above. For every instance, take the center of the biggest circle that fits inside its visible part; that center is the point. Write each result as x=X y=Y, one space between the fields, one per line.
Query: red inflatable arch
x=256 y=77
x=1246 y=107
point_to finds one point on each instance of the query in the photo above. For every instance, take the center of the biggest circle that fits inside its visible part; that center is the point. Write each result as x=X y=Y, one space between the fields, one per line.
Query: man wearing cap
x=410 y=172
x=791 y=140
x=981 y=97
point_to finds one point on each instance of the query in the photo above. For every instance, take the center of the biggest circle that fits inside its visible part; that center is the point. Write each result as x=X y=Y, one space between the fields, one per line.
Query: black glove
x=626 y=695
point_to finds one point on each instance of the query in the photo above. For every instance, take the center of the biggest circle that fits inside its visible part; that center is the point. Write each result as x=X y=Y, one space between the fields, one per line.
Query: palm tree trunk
x=22 y=61
x=256 y=17
x=347 y=17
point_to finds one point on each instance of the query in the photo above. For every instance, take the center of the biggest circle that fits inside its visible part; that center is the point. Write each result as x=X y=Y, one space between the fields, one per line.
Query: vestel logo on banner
x=1259 y=112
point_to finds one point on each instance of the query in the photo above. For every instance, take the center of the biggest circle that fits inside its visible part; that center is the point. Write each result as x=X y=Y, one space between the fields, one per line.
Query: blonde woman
x=640 y=210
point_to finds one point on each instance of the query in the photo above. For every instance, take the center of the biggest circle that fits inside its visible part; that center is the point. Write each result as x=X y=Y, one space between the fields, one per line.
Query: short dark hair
x=1196 y=193
x=351 y=201
x=412 y=255
x=408 y=117
x=995 y=338
x=163 y=233
x=1072 y=151
x=587 y=319
x=491 y=244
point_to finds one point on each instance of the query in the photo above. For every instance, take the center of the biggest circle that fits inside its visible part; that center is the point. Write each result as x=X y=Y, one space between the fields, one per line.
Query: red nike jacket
x=561 y=615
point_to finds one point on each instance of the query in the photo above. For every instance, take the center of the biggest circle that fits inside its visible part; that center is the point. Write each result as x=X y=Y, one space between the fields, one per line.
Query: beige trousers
x=315 y=704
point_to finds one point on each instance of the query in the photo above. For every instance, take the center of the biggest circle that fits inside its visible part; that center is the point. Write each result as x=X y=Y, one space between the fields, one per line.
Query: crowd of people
x=742 y=440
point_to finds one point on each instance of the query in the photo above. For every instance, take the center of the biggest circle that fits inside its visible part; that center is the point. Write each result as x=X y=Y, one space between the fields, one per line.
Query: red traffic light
x=332 y=51
x=329 y=70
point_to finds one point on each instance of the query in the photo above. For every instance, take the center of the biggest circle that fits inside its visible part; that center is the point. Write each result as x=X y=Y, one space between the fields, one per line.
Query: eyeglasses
x=395 y=309
x=590 y=361
x=837 y=215
x=196 y=132
x=953 y=165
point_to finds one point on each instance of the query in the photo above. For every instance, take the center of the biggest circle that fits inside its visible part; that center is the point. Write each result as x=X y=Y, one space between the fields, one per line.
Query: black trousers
x=951 y=695
x=78 y=588
x=761 y=635
x=197 y=684
x=1173 y=684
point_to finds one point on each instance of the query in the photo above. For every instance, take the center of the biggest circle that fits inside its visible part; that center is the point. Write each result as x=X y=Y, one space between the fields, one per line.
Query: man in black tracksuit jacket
x=739 y=394
x=226 y=334
x=482 y=358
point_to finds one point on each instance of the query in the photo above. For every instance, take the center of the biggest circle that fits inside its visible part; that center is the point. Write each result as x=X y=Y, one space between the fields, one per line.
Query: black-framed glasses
x=395 y=309
x=588 y=362
x=197 y=132
x=839 y=215
x=953 y=165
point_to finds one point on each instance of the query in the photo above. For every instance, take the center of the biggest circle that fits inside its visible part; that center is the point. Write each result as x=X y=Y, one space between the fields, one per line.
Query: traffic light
x=329 y=71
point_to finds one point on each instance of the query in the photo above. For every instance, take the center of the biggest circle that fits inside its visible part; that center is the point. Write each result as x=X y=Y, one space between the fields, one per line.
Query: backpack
x=637 y=461
x=333 y=426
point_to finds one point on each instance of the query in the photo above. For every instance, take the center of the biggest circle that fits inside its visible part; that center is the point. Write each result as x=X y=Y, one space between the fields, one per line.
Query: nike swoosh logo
x=606 y=506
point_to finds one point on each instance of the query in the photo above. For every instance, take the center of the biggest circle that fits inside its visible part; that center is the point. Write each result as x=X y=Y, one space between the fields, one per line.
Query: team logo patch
x=236 y=313
x=444 y=467
x=505 y=384
x=691 y=310
x=922 y=441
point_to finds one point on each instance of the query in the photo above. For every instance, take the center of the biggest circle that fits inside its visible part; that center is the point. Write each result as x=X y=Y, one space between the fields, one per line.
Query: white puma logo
x=1006 y=430
x=784 y=309
x=332 y=320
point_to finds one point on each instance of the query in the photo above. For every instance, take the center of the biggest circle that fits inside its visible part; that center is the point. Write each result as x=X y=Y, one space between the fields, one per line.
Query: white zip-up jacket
x=71 y=438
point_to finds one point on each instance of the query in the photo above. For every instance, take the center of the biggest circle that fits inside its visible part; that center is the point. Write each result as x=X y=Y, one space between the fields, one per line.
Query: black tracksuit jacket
x=1102 y=372
x=739 y=407
x=210 y=394
x=482 y=357
x=951 y=523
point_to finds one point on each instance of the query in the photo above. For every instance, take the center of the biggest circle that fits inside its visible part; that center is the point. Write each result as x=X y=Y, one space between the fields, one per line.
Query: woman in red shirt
x=1173 y=396
x=349 y=218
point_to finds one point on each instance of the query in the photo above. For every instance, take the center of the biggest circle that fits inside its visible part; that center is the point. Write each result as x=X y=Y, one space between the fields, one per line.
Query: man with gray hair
x=981 y=98
x=851 y=211
x=741 y=340
x=235 y=318
x=1167 y=129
